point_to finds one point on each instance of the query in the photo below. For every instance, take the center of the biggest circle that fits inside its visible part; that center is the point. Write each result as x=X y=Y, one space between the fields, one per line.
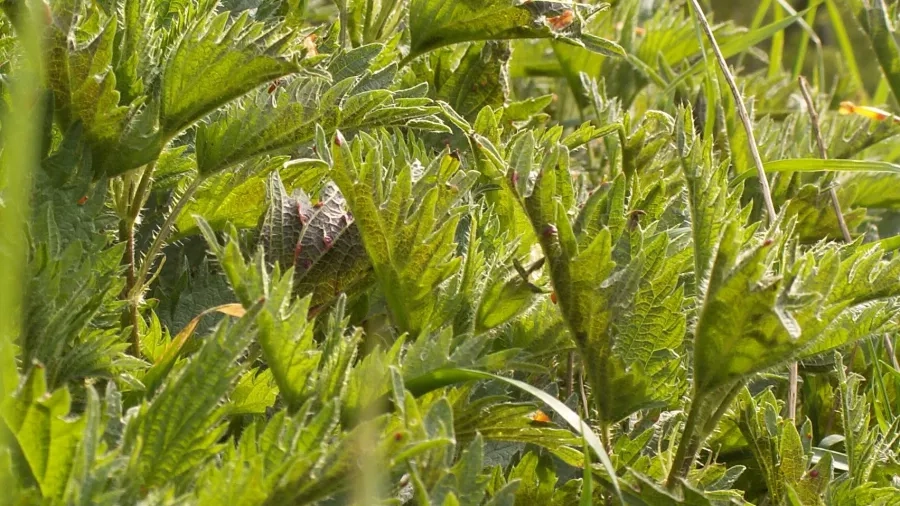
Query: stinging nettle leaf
x=318 y=239
x=217 y=61
x=433 y=23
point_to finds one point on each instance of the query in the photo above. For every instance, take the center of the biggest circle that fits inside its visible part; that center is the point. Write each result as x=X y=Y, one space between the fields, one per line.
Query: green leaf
x=761 y=439
x=523 y=110
x=819 y=165
x=360 y=196
x=586 y=133
x=179 y=428
x=166 y=360
x=46 y=436
x=600 y=45
x=503 y=301
x=216 y=62
x=286 y=339
x=468 y=77
x=254 y=393
x=354 y=62
x=280 y=122
x=434 y=24
x=408 y=226
x=319 y=240
x=792 y=458
x=72 y=291
x=709 y=202
x=85 y=90
x=816 y=219
x=739 y=331
x=537 y=479
x=854 y=325
x=238 y=197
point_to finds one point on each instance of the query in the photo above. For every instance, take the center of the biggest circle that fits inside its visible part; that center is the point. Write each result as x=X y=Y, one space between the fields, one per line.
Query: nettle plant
x=463 y=252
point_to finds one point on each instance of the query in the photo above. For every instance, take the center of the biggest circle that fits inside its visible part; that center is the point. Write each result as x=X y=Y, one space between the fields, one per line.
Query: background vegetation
x=450 y=253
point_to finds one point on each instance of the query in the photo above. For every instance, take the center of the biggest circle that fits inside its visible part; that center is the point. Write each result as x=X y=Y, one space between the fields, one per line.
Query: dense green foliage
x=449 y=253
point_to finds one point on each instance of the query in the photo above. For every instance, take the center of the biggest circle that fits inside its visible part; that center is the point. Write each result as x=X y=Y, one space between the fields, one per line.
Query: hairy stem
x=742 y=112
x=723 y=407
x=584 y=399
x=823 y=153
x=126 y=233
x=140 y=195
x=711 y=423
x=129 y=284
x=160 y=240
x=692 y=439
x=681 y=464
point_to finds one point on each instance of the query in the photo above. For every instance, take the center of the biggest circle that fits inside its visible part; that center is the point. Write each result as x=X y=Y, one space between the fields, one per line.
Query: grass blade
x=819 y=165
x=449 y=376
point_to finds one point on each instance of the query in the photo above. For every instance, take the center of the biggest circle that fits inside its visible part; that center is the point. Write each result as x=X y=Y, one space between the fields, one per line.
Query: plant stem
x=126 y=233
x=163 y=234
x=20 y=159
x=606 y=436
x=723 y=407
x=129 y=284
x=823 y=153
x=691 y=440
x=140 y=195
x=793 y=381
x=343 y=18
x=742 y=112
x=584 y=399
x=679 y=465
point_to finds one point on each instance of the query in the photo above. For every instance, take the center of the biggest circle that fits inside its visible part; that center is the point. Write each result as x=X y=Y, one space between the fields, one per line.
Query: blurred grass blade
x=872 y=17
x=587 y=483
x=776 y=52
x=839 y=30
x=738 y=45
x=20 y=158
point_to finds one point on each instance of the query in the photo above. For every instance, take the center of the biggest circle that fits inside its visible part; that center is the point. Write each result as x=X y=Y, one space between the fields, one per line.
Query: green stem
x=140 y=195
x=606 y=436
x=367 y=22
x=342 y=17
x=406 y=59
x=126 y=233
x=129 y=284
x=691 y=440
x=720 y=411
x=160 y=239
x=681 y=464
